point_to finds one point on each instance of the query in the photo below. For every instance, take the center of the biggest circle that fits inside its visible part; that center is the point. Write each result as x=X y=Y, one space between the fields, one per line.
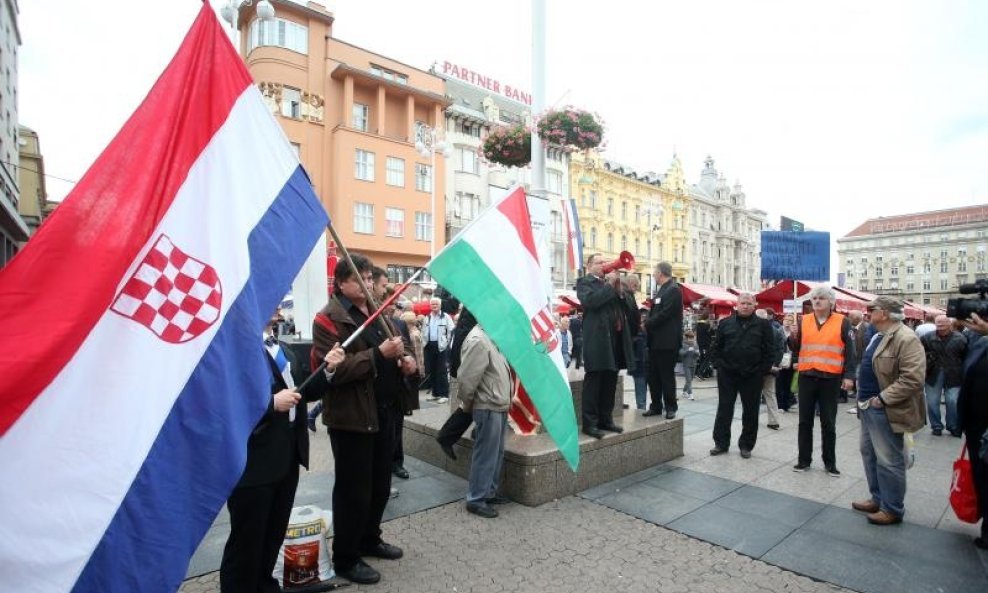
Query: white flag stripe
x=124 y=407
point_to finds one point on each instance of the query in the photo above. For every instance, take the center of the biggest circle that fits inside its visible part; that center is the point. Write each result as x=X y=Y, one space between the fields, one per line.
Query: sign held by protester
x=797 y=256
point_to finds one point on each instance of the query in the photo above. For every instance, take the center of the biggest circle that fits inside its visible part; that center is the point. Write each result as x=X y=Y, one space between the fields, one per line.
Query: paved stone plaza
x=698 y=523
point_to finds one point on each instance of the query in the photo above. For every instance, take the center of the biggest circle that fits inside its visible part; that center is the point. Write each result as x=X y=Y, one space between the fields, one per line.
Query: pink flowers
x=508 y=146
x=571 y=127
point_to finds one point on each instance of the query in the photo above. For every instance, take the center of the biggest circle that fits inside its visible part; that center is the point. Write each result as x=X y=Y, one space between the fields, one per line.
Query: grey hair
x=436 y=300
x=824 y=291
x=664 y=268
x=750 y=295
x=896 y=316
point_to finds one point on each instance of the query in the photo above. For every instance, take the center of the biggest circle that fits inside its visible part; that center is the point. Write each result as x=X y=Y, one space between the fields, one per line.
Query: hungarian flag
x=492 y=266
x=132 y=368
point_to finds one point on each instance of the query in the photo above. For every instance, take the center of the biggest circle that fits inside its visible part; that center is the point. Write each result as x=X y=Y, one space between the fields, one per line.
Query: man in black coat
x=606 y=344
x=664 y=328
x=744 y=352
x=576 y=330
x=261 y=503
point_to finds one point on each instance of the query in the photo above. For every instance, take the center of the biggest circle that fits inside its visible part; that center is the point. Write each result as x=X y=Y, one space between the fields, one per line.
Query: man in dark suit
x=664 y=328
x=261 y=503
x=606 y=344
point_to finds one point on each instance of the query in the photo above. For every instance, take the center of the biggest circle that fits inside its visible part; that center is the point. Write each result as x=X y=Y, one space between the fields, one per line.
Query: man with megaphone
x=606 y=340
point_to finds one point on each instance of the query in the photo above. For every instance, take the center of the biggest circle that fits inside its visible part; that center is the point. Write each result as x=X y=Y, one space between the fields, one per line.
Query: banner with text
x=795 y=256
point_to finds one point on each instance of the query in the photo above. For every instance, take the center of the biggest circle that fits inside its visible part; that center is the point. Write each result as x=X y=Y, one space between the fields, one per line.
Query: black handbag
x=454 y=427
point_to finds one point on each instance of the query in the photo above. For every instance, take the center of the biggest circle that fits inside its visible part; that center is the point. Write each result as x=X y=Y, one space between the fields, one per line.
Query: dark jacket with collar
x=276 y=444
x=744 y=347
x=947 y=355
x=351 y=403
x=664 y=324
x=602 y=310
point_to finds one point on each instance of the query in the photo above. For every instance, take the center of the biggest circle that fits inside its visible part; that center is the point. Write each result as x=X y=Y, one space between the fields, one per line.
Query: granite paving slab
x=742 y=532
x=652 y=504
x=693 y=484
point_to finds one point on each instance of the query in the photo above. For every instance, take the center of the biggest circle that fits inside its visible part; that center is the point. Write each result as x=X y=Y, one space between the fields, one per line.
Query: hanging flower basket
x=570 y=126
x=508 y=146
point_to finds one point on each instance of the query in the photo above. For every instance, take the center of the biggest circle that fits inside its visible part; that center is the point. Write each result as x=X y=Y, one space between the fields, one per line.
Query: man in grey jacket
x=485 y=391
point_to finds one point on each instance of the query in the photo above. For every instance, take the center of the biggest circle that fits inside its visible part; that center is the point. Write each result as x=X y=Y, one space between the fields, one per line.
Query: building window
x=894 y=270
x=469 y=162
x=610 y=241
x=593 y=237
x=279 y=33
x=363 y=218
x=361 y=117
x=926 y=284
x=466 y=206
x=556 y=220
x=943 y=284
x=593 y=199
x=396 y=172
x=910 y=269
x=943 y=267
x=878 y=272
x=364 y=165
x=423 y=177
x=926 y=268
x=910 y=286
x=864 y=285
x=638 y=213
x=878 y=285
x=961 y=265
x=423 y=226
x=394 y=222
x=554 y=182
x=943 y=253
x=291 y=102
x=467 y=129
x=387 y=74
x=638 y=247
x=648 y=249
x=624 y=211
x=610 y=206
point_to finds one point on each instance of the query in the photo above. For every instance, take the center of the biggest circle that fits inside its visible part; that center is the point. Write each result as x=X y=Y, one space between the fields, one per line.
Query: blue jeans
x=688 y=371
x=641 y=391
x=933 y=404
x=489 y=432
x=883 y=453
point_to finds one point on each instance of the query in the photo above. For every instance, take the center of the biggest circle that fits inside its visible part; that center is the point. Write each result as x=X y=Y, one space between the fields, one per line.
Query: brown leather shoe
x=883 y=517
x=865 y=506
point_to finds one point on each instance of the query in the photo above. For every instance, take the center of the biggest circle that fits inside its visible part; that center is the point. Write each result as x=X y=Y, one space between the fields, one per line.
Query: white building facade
x=13 y=230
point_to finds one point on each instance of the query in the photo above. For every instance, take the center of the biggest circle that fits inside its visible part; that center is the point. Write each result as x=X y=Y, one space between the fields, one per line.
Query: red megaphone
x=421 y=308
x=625 y=261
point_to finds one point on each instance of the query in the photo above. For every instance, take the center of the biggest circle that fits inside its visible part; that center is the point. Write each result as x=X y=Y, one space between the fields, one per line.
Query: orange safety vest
x=822 y=349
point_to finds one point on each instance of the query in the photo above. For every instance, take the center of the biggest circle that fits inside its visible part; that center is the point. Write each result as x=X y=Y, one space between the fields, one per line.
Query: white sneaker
x=852 y=410
x=689 y=395
x=442 y=400
x=394 y=493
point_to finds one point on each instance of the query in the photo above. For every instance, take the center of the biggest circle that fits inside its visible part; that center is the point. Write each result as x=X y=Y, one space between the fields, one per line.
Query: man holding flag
x=169 y=254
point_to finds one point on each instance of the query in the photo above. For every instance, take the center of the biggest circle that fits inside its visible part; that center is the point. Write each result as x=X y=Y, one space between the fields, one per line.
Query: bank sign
x=492 y=84
x=788 y=255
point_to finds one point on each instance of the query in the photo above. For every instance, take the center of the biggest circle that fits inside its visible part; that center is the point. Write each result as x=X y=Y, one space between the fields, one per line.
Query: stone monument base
x=534 y=470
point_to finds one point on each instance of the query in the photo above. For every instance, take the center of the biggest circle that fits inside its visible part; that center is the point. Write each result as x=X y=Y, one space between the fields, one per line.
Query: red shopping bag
x=963 y=498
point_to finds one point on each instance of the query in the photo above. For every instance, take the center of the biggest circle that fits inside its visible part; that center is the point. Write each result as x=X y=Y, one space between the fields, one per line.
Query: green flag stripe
x=464 y=273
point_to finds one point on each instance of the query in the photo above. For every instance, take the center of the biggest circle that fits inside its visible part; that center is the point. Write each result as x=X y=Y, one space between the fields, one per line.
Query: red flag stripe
x=515 y=209
x=65 y=278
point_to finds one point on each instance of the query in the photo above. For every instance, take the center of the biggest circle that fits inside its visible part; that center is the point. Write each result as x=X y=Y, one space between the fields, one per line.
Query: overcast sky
x=826 y=112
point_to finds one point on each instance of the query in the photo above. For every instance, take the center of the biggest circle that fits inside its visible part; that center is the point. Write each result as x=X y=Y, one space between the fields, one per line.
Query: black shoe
x=360 y=573
x=670 y=415
x=955 y=433
x=981 y=542
x=447 y=449
x=481 y=509
x=384 y=550
x=595 y=433
x=400 y=472
x=612 y=428
x=651 y=412
x=497 y=499
x=746 y=453
x=624 y=406
x=937 y=432
x=774 y=426
x=833 y=471
x=801 y=467
x=717 y=451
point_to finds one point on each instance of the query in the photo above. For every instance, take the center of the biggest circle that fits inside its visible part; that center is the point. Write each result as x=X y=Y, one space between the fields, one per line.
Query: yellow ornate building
x=623 y=210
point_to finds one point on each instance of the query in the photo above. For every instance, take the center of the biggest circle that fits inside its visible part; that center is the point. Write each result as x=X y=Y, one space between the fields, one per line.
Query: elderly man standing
x=945 y=352
x=744 y=352
x=890 y=403
x=607 y=345
x=664 y=328
x=826 y=364
x=438 y=330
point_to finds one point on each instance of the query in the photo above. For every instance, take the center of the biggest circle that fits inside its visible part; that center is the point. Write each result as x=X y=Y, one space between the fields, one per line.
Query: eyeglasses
x=873 y=309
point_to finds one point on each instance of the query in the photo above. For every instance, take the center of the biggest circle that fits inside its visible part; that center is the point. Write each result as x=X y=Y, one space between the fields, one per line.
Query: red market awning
x=909 y=310
x=710 y=295
x=926 y=309
x=773 y=296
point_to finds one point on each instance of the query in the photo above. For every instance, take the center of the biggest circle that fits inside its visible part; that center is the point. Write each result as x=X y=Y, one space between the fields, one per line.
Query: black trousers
x=783 y=389
x=398 y=460
x=813 y=392
x=598 y=398
x=578 y=352
x=363 y=483
x=258 y=520
x=662 y=380
x=729 y=386
x=437 y=369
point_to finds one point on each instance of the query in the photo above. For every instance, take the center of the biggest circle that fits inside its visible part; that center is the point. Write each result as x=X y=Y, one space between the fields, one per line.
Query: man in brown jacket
x=890 y=403
x=369 y=393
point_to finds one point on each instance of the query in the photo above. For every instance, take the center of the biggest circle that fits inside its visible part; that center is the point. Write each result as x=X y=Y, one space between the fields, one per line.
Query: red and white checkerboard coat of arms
x=174 y=295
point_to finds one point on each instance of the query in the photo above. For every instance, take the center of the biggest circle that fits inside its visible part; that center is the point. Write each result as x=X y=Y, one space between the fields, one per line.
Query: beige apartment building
x=922 y=257
x=354 y=117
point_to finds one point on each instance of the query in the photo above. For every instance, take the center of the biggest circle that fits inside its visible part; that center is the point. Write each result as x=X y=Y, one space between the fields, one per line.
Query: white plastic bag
x=910 y=444
x=304 y=555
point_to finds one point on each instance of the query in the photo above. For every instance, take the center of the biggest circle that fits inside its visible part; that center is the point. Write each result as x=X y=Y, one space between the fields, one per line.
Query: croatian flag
x=574 y=244
x=131 y=365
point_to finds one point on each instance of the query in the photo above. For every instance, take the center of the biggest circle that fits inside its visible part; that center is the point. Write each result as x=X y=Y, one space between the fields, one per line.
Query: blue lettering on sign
x=795 y=256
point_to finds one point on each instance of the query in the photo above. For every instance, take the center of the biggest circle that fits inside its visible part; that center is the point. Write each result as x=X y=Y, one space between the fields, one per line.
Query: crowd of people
x=896 y=378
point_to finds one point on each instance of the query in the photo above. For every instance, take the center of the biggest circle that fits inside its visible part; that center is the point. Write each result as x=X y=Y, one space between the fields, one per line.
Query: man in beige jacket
x=484 y=391
x=891 y=402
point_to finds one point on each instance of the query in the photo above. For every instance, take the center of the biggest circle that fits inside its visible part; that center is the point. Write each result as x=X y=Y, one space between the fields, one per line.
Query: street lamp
x=230 y=11
x=428 y=142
